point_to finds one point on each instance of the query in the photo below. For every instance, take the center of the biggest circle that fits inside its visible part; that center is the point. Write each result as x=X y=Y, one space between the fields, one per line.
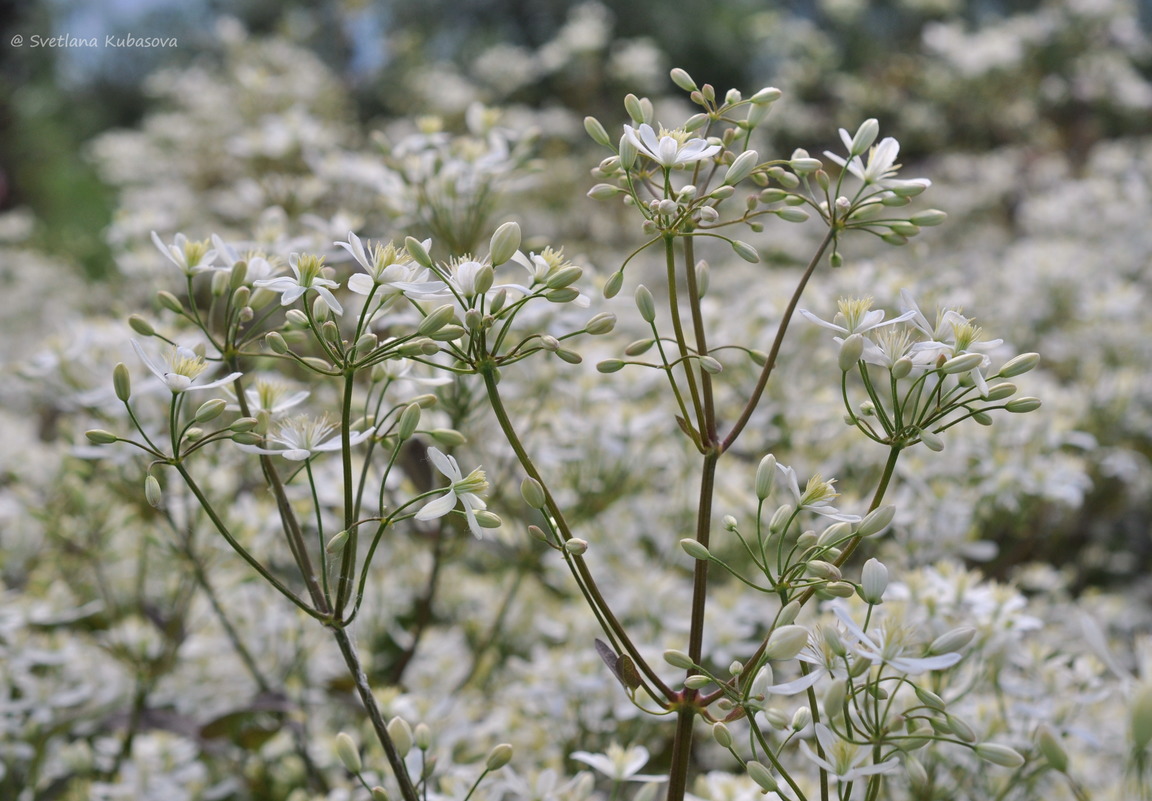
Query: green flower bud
x=152 y=491
x=801 y=718
x=679 y=659
x=500 y=756
x=823 y=570
x=533 y=493
x=504 y=243
x=960 y=728
x=745 y=251
x=409 y=419
x=999 y=755
x=317 y=364
x=1023 y=405
x=762 y=776
x=563 y=277
x=710 y=365
x=962 y=363
x=850 y=352
x=486 y=519
x=141 y=326
x=98 y=436
x=721 y=734
x=835 y=696
x=1019 y=365
x=873 y=581
x=765 y=477
x=401 y=734
x=998 y=392
x=1140 y=722
x=600 y=324
x=597 y=132
x=695 y=549
x=367 y=343
x=932 y=441
x=335 y=545
x=696 y=122
x=348 y=752
x=170 y=302
x=379 y=793
x=952 y=640
x=788 y=614
x=865 y=135
x=697 y=682
x=682 y=79
x=436 y=320
x=606 y=366
x=786 y=642
x=422 y=735
x=628 y=153
x=634 y=108
x=576 y=546
x=448 y=436
x=210 y=410
x=417 y=251
x=928 y=218
x=741 y=167
x=645 y=303
x=570 y=356
x=792 y=215
x=613 y=285
x=122 y=382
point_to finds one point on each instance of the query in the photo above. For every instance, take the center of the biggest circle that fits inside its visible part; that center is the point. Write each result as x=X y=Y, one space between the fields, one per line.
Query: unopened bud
x=504 y=243
x=741 y=167
x=682 y=79
x=141 y=326
x=962 y=363
x=645 y=303
x=533 y=493
x=597 y=132
x=500 y=756
x=865 y=135
x=678 y=659
x=1022 y=405
x=335 y=545
x=765 y=476
x=762 y=776
x=170 y=302
x=721 y=734
x=1052 y=750
x=695 y=549
x=401 y=734
x=610 y=366
x=576 y=546
x=152 y=491
x=932 y=441
x=348 y=752
x=999 y=755
x=850 y=352
x=417 y=251
x=613 y=285
x=873 y=581
x=1019 y=365
x=745 y=251
x=786 y=642
x=952 y=640
x=600 y=324
x=98 y=436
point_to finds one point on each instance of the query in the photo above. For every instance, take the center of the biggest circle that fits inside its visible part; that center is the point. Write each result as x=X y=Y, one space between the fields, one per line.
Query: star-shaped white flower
x=300 y=438
x=890 y=645
x=816 y=497
x=184 y=366
x=619 y=764
x=305 y=276
x=190 y=256
x=464 y=489
x=667 y=149
x=842 y=759
x=388 y=271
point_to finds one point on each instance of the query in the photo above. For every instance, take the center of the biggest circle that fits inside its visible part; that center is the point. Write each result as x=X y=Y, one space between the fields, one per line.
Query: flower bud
x=610 y=366
x=417 y=251
x=711 y=365
x=576 y=546
x=876 y=521
x=765 y=477
x=437 y=319
x=953 y=640
x=682 y=79
x=865 y=135
x=533 y=493
x=741 y=167
x=504 y=243
x=838 y=589
x=1022 y=405
x=401 y=734
x=823 y=570
x=928 y=218
x=639 y=347
x=614 y=283
x=745 y=251
x=122 y=382
x=786 y=642
x=792 y=215
x=604 y=192
x=597 y=132
x=634 y=108
x=999 y=755
x=422 y=736
x=697 y=682
x=835 y=696
x=788 y=613
x=780 y=518
x=678 y=659
x=962 y=363
x=850 y=352
x=152 y=491
x=141 y=326
x=998 y=392
x=695 y=549
x=98 y=436
x=873 y=581
x=932 y=441
x=1019 y=365
x=645 y=303
x=409 y=419
x=170 y=302
x=348 y=752
x=1140 y=722
x=959 y=728
x=600 y=324
x=500 y=756
x=335 y=545
x=801 y=718
x=762 y=776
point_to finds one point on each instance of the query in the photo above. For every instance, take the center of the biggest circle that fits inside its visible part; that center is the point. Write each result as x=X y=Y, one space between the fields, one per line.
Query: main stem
x=352 y=660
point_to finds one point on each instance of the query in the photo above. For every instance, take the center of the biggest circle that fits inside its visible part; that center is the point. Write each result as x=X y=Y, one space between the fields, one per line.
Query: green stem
x=348 y=562
x=395 y=761
x=777 y=343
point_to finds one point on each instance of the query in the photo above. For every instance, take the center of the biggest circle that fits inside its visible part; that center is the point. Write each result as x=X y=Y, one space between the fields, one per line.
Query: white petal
x=445 y=464
x=438 y=507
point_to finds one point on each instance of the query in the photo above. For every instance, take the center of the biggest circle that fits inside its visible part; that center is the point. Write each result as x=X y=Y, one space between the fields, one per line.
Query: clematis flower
x=855 y=316
x=619 y=764
x=670 y=148
x=299 y=438
x=190 y=256
x=461 y=488
x=388 y=268
x=881 y=166
x=842 y=759
x=184 y=366
x=306 y=271
x=890 y=645
x=816 y=497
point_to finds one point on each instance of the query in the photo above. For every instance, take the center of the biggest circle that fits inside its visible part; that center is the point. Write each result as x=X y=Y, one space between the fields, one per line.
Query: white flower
x=619 y=764
x=389 y=272
x=670 y=148
x=816 y=497
x=889 y=645
x=191 y=257
x=301 y=437
x=306 y=269
x=844 y=760
x=184 y=367
x=855 y=316
x=269 y=399
x=881 y=165
x=461 y=487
